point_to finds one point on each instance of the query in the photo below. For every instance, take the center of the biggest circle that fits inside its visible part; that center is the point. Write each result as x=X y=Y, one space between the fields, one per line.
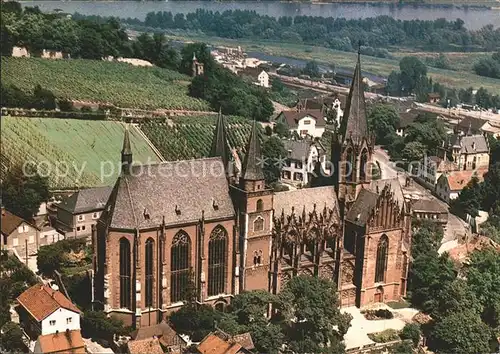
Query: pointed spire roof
x=194 y=56
x=126 y=149
x=219 y=142
x=252 y=165
x=354 y=123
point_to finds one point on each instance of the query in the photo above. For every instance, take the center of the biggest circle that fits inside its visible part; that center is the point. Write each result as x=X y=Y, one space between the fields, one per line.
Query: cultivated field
x=191 y=137
x=70 y=145
x=120 y=84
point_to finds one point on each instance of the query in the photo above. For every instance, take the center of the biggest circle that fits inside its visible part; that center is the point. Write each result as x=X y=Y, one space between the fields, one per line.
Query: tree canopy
x=383 y=121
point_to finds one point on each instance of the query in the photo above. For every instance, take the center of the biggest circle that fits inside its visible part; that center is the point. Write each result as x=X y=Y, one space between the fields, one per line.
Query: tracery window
x=179 y=266
x=382 y=254
x=258 y=224
x=217 y=255
x=125 y=274
x=149 y=264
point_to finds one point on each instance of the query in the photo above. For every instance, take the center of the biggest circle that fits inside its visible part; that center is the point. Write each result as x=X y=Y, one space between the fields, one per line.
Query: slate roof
x=297 y=150
x=252 y=72
x=143 y=346
x=10 y=222
x=150 y=192
x=219 y=143
x=475 y=124
x=466 y=142
x=62 y=342
x=308 y=197
x=86 y=200
x=354 y=123
x=41 y=301
x=292 y=117
x=318 y=103
x=362 y=207
x=252 y=164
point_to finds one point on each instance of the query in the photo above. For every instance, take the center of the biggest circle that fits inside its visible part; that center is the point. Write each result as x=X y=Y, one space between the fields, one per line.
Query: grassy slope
x=378 y=66
x=119 y=83
x=76 y=143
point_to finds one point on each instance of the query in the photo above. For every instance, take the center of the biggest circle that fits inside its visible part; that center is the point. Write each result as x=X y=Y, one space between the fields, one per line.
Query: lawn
x=120 y=84
x=63 y=147
x=377 y=66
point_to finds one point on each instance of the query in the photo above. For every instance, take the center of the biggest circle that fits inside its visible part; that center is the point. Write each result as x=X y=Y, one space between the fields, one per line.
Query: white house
x=258 y=75
x=307 y=122
x=449 y=185
x=432 y=167
x=301 y=161
x=43 y=310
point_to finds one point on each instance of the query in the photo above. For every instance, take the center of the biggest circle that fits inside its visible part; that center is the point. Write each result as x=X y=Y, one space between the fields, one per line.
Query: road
x=455 y=228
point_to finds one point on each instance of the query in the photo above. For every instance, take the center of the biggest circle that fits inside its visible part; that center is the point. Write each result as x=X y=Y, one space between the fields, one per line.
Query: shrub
x=411 y=331
x=385 y=336
x=384 y=313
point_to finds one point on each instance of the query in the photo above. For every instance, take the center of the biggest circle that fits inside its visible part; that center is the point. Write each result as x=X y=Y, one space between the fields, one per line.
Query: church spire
x=252 y=165
x=354 y=123
x=219 y=142
x=126 y=152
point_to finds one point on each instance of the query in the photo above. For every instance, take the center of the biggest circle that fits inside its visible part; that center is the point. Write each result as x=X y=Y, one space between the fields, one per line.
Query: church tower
x=219 y=146
x=352 y=146
x=254 y=204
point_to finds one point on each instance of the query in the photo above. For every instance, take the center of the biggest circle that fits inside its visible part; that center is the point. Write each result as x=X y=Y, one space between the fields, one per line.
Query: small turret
x=126 y=153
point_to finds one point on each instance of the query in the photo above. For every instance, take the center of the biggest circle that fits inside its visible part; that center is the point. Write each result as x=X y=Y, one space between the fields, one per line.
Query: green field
x=81 y=145
x=191 y=137
x=377 y=66
x=120 y=84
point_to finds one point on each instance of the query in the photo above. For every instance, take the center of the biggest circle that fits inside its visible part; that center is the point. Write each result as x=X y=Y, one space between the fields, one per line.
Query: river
x=474 y=18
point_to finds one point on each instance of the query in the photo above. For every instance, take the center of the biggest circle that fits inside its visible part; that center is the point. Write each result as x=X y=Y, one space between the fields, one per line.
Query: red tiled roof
x=143 y=346
x=10 y=222
x=62 y=342
x=212 y=344
x=292 y=117
x=457 y=180
x=41 y=300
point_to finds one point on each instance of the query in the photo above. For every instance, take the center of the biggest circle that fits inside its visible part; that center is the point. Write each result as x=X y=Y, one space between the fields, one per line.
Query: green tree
x=469 y=199
x=455 y=297
x=491 y=188
x=313 y=305
x=427 y=239
x=383 y=120
x=202 y=55
x=11 y=338
x=311 y=69
x=282 y=130
x=22 y=193
x=428 y=130
x=483 y=278
x=413 y=71
x=460 y=332
x=273 y=151
x=413 y=151
x=195 y=320
x=97 y=325
x=393 y=87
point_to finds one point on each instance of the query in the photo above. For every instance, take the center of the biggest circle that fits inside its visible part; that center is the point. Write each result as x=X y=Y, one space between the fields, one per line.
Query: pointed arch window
x=349 y=166
x=217 y=255
x=258 y=224
x=382 y=255
x=260 y=205
x=179 y=266
x=125 y=274
x=149 y=266
x=363 y=173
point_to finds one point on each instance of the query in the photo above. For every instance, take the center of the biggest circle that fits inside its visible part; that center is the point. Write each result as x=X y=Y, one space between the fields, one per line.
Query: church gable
x=387 y=212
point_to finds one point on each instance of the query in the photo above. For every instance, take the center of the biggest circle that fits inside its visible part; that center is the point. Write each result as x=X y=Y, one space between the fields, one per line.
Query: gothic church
x=170 y=224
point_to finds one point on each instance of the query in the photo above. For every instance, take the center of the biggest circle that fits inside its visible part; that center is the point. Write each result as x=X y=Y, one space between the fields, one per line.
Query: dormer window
x=215 y=205
x=146 y=214
x=177 y=210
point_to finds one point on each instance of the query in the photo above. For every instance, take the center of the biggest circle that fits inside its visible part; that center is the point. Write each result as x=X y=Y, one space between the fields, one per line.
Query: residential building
x=303 y=122
x=449 y=185
x=43 y=311
x=470 y=125
x=18 y=234
x=326 y=104
x=227 y=232
x=148 y=345
x=405 y=120
x=219 y=342
x=301 y=161
x=430 y=209
x=69 y=341
x=259 y=76
x=78 y=212
x=433 y=97
x=167 y=337
x=49 y=235
x=432 y=167
x=468 y=152
x=197 y=68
